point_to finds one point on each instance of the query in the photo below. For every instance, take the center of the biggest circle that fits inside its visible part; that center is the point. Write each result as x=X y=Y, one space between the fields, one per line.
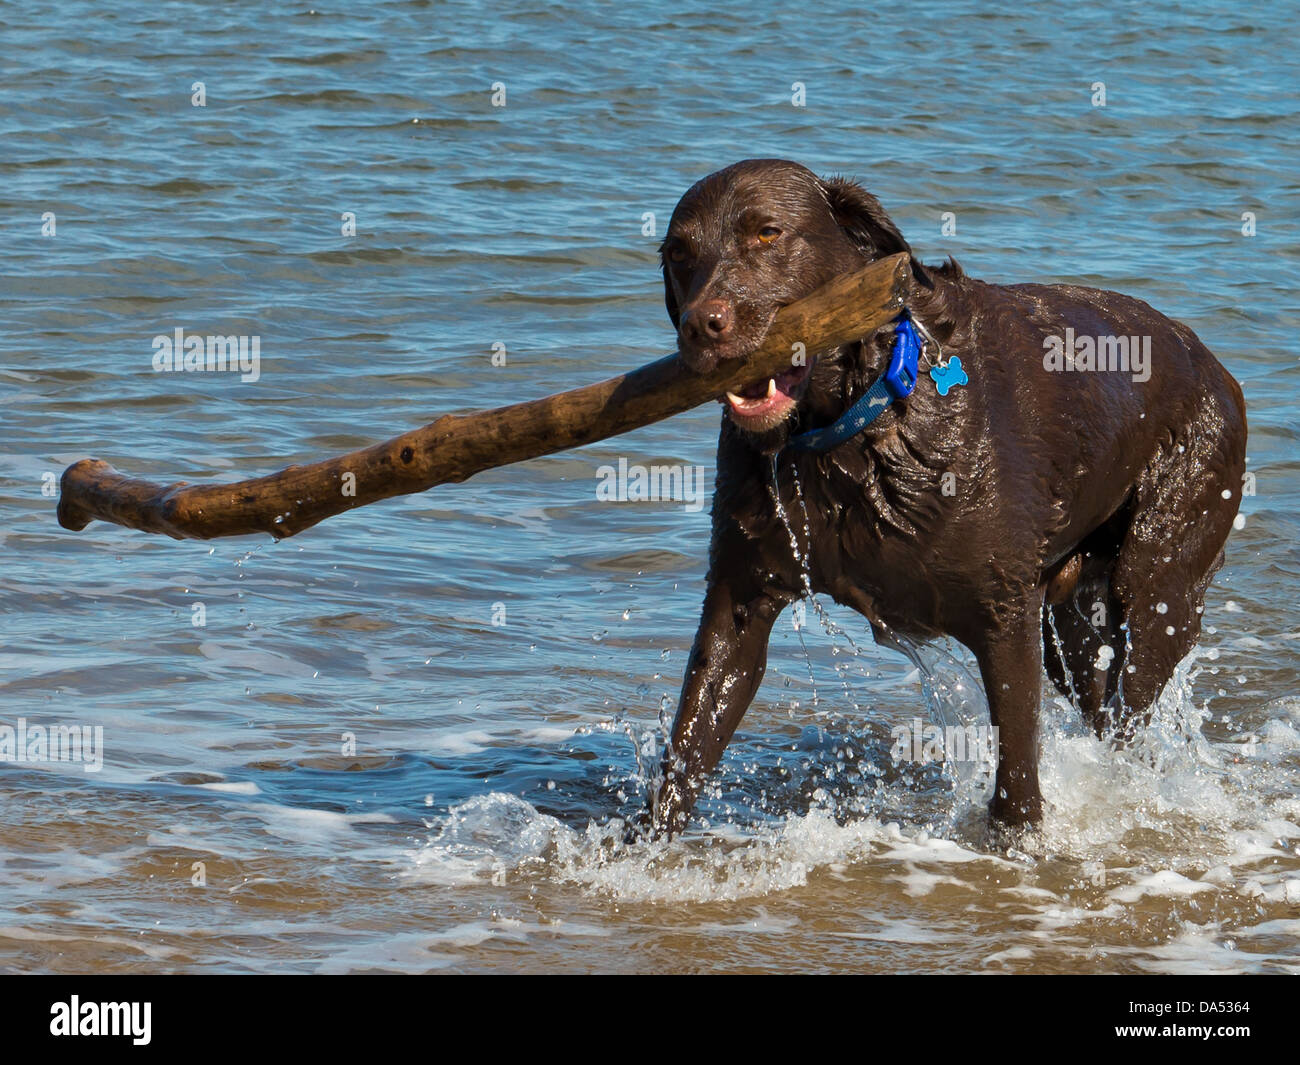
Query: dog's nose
x=710 y=322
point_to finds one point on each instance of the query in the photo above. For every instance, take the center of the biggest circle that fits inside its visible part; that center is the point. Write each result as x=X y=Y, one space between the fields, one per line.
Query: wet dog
x=1057 y=498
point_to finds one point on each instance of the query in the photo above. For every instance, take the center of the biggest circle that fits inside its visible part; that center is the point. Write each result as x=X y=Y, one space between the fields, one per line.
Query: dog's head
x=748 y=240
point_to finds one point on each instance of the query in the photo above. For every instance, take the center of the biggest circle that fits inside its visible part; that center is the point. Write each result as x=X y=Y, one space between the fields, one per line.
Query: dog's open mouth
x=765 y=404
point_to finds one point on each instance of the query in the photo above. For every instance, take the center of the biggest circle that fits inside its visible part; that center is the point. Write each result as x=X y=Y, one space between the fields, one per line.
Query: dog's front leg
x=1010 y=655
x=725 y=669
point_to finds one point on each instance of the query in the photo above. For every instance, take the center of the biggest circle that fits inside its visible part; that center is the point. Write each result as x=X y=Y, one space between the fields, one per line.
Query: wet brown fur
x=1079 y=500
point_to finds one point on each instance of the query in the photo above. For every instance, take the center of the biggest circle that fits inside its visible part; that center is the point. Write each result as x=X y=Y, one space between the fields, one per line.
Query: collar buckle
x=897 y=382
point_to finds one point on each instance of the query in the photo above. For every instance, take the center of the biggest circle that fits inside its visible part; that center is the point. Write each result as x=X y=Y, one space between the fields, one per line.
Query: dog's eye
x=768 y=234
x=677 y=253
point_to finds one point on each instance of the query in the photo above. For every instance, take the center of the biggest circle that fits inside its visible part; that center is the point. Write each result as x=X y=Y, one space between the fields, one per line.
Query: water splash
x=501 y=839
x=953 y=697
x=955 y=700
x=805 y=571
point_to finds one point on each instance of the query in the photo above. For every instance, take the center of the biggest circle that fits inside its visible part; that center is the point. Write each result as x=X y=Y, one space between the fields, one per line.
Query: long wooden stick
x=457 y=446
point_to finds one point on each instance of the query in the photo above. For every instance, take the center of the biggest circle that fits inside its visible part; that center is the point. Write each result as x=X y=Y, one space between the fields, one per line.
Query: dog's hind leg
x=1083 y=649
x=1183 y=509
x=1083 y=645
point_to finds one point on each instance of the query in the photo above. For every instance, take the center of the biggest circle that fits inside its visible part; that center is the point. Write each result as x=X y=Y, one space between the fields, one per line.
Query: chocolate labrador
x=1046 y=473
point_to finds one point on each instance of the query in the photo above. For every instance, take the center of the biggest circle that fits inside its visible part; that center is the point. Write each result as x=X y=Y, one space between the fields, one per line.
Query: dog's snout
x=710 y=322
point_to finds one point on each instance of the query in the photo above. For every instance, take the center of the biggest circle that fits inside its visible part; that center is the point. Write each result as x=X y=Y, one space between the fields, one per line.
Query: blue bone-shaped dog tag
x=949 y=376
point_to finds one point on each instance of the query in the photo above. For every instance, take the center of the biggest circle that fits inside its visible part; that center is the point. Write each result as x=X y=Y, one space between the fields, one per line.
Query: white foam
x=1010 y=954
x=762 y=923
x=898 y=931
x=1166 y=882
x=42 y=933
x=305 y=825
x=546 y=734
x=499 y=837
x=232 y=787
x=918 y=883
x=408 y=953
x=458 y=741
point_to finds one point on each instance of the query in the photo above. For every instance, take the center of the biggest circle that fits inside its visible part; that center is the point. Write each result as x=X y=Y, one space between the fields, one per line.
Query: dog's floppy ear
x=670 y=301
x=860 y=215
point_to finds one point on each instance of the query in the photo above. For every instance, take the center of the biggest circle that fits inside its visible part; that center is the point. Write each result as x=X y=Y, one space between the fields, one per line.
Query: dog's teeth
x=771 y=387
x=736 y=401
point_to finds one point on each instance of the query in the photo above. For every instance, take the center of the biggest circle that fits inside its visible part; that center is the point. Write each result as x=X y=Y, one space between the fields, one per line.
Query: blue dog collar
x=897 y=382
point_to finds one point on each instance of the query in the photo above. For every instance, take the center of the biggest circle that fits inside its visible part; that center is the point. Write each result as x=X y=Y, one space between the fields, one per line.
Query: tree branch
x=457 y=446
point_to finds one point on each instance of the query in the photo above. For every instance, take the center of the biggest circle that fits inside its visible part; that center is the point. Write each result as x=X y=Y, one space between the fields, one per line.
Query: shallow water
x=364 y=771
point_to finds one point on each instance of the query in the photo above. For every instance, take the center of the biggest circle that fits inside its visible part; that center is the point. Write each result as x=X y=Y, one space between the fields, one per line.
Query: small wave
x=499 y=837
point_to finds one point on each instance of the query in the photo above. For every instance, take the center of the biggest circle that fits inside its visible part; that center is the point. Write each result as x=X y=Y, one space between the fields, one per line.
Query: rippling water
x=353 y=764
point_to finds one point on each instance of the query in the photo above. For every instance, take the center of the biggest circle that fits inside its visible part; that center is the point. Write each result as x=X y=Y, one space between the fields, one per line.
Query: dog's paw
x=1011 y=822
x=638 y=829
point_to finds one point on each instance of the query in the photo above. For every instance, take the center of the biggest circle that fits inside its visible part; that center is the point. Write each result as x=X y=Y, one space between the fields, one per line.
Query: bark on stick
x=457 y=446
